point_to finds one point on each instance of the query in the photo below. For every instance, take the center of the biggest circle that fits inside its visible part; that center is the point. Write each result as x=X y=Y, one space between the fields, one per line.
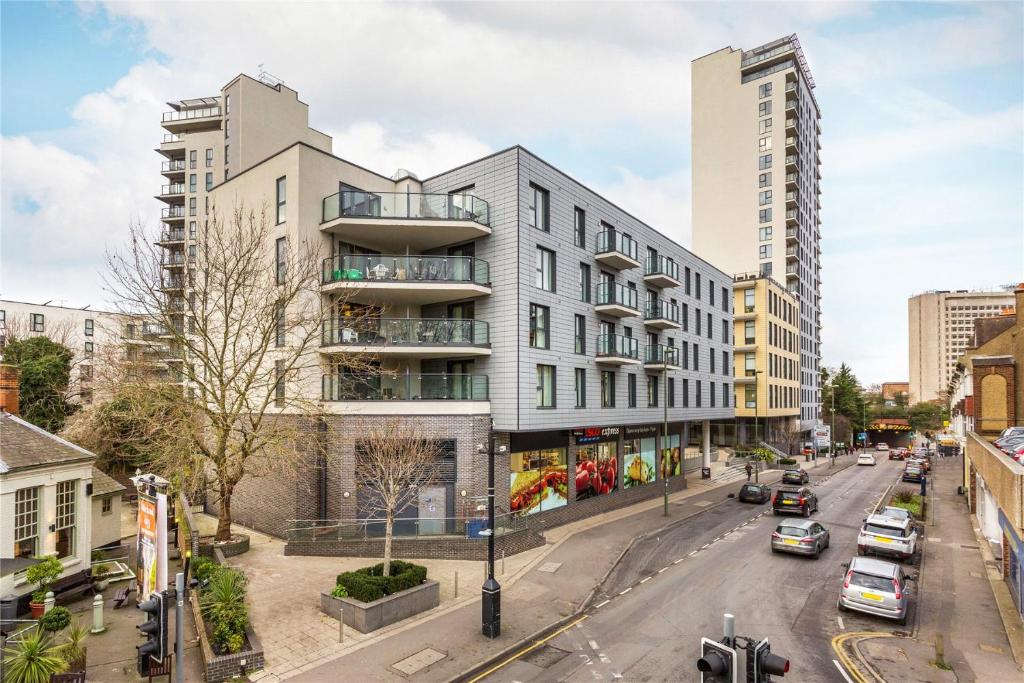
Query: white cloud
x=370 y=145
x=662 y=202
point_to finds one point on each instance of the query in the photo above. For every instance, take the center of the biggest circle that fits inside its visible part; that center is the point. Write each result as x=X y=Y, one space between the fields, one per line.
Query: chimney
x=9 y=388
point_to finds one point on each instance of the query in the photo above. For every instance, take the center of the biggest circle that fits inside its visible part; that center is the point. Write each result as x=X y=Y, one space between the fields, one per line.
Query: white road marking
x=680 y=559
x=599 y=606
x=692 y=553
x=604 y=658
x=842 y=626
x=706 y=545
x=615 y=676
x=626 y=591
x=593 y=645
x=662 y=569
x=646 y=580
x=842 y=671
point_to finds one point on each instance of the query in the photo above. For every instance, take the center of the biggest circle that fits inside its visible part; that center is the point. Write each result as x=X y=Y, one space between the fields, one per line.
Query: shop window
x=539 y=481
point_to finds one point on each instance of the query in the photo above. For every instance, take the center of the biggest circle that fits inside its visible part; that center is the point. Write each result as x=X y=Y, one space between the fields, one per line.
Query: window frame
x=545 y=371
x=66 y=517
x=607 y=388
x=545 y=267
x=281 y=259
x=539 y=195
x=579 y=217
x=281 y=194
x=580 y=379
x=545 y=330
x=580 y=334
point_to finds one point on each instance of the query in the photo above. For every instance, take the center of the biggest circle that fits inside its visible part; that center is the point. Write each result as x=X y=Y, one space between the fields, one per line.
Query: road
x=669 y=590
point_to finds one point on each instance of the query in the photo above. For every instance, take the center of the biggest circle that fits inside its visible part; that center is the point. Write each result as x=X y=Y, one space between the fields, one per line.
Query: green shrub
x=97 y=555
x=369 y=583
x=902 y=495
x=222 y=603
x=339 y=592
x=787 y=461
x=57 y=619
x=204 y=568
x=43 y=574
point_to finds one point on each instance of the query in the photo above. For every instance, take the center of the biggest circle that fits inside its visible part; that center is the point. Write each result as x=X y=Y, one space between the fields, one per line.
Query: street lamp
x=491 y=590
x=757 y=424
x=665 y=460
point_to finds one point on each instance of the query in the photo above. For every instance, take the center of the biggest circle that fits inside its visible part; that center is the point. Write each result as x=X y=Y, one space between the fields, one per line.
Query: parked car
x=801 y=501
x=876 y=587
x=897 y=454
x=896 y=513
x=924 y=463
x=912 y=472
x=1010 y=443
x=755 y=493
x=797 y=476
x=866 y=459
x=881 y=446
x=1012 y=431
x=882 y=535
x=801 y=537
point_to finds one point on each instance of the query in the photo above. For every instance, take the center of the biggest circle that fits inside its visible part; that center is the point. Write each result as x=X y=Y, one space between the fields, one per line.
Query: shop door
x=432 y=511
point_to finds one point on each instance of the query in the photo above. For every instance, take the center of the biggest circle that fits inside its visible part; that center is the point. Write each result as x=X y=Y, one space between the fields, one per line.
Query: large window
x=764 y=251
x=192 y=206
x=279 y=383
x=281 y=256
x=652 y=391
x=596 y=469
x=764 y=90
x=581 y=334
x=537 y=212
x=607 y=389
x=750 y=396
x=89 y=327
x=585 y=283
x=764 y=108
x=209 y=157
x=581 y=388
x=580 y=227
x=192 y=155
x=65 y=517
x=764 y=216
x=191 y=182
x=282 y=198
x=545 y=269
x=209 y=181
x=764 y=197
x=764 y=234
x=671 y=392
x=539 y=481
x=764 y=162
x=748 y=332
x=686 y=393
x=631 y=390
x=540 y=325
x=26 y=522
x=545 y=386
x=38 y=322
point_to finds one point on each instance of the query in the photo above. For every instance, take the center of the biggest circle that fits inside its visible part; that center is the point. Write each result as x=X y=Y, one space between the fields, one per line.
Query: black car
x=755 y=493
x=801 y=501
x=797 y=477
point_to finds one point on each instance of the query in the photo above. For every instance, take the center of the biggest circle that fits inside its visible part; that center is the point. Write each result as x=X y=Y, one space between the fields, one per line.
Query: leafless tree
x=240 y=329
x=393 y=461
x=790 y=435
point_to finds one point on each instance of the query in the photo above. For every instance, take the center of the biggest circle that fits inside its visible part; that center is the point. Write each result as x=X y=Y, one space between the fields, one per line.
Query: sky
x=922 y=117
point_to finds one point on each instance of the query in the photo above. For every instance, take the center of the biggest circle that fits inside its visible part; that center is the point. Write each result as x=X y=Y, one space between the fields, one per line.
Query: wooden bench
x=120 y=596
x=72 y=587
x=72 y=677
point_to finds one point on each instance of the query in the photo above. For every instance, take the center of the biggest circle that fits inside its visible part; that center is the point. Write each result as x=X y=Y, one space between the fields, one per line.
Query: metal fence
x=320 y=530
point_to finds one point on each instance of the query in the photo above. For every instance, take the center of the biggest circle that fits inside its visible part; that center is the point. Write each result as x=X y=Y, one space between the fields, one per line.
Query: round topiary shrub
x=57 y=619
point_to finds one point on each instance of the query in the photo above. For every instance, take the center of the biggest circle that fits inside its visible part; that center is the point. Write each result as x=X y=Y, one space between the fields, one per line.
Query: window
x=209 y=157
x=581 y=334
x=725 y=332
x=685 y=316
x=711 y=393
x=580 y=227
x=106 y=505
x=192 y=158
x=279 y=325
x=545 y=386
x=725 y=299
x=65 y=515
x=764 y=90
x=279 y=383
x=281 y=256
x=686 y=271
x=764 y=108
x=711 y=361
x=89 y=349
x=764 y=251
x=652 y=391
x=698 y=397
x=764 y=197
x=209 y=181
x=765 y=126
x=764 y=144
x=764 y=234
x=748 y=332
x=686 y=355
x=725 y=394
x=709 y=326
x=764 y=162
x=206 y=205
x=537 y=212
x=540 y=324
x=764 y=180
x=686 y=393
x=227 y=128
x=585 y=283
x=545 y=270
x=26 y=523
x=607 y=389
x=696 y=285
x=226 y=147
x=696 y=357
x=88 y=327
x=696 y=318
x=671 y=392
x=631 y=390
x=766 y=268
x=764 y=216
x=749 y=397
x=191 y=206
x=725 y=358
x=38 y=322
x=581 y=388
x=282 y=198
x=191 y=228
x=711 y=292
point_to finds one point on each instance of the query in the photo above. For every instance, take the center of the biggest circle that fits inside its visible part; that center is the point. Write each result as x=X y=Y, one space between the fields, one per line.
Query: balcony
x=661 y=357
x=412 y=280
x=790 y=124
x=791 y=270
x=191 y=119
x=661 y=271
x=616 y=300
x=404 y=387
x=662 y=315
x=173 y=259
x=400 y=220
x=172 y=283
x=172 y=236
x=172 y=145
x=617 y=250
x=173 y=214
x=791 y=144
x=792 y=198
x=791 y=86
x=749 y=344
x=172 y=193
x=792 y=253
x=173 y=168
x=792 y=216
x=792 y=180
x=746 y=313
x=416 y=337
x=617 y=349
x=792 y=162
x=791 y=104
x=791 y=234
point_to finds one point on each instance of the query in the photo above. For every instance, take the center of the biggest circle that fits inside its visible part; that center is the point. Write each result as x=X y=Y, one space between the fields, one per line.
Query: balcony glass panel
x=396 y=268
x=173 y=165
x=618 y=345
x=613 y=240
x=356 y=204
x=176 y=188
x=172 y=235
x=407 y=331
x=660 y=309
x=404 y=387
x=186 y=114
x=173 y=212
x=614 y=293
x=661 y=354
x=661 y=265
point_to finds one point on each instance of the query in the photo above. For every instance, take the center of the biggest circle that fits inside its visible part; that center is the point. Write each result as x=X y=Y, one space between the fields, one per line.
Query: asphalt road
x=671 y=589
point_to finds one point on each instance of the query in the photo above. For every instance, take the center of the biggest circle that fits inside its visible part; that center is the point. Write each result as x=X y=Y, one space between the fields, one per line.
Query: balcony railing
x=791 y=232
x=173 y=212
x=357 y=204
x=791 y=215
x=613 y=240
x=791 y=104
x=172 y=165
x=171 y=137
x=662 y=310
x=404 y=387
x=186 y=114
x=618 y=345
x=174 y=258
x=175 y=188
x=661 y=354
x=791 y=269
x=397 y=268
x=172 y=236
x=615 y=294
x=661 y=265
x=792 y=196
x=793 y=160
x=407 y=331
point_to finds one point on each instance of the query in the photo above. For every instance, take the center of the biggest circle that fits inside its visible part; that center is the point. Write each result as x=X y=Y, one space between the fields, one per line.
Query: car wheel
x=817 y=552
x=807 y=510
x=828 y=541
x=775 y=512
x=839 y=606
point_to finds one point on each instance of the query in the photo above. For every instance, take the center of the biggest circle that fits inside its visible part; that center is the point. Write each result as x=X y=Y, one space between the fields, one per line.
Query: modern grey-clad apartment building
x=503 y=295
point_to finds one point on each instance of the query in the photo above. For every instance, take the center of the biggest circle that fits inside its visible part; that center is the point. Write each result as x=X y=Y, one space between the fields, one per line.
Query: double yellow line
x=848 y=663
x=525 y=650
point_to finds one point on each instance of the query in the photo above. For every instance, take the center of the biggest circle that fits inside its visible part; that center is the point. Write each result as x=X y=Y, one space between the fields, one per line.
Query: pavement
x=960 y=635
x=552 y=587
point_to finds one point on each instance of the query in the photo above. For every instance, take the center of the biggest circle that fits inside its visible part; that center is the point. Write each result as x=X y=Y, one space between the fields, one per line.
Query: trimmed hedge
x=787 y=461
x=369 y=583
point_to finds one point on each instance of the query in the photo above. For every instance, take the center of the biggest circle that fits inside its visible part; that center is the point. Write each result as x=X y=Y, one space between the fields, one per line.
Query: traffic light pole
x=491 y=590
x=179 y=627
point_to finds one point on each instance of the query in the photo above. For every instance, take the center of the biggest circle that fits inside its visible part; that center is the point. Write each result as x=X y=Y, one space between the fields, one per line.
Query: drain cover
x=419 y=661
x=545 y=656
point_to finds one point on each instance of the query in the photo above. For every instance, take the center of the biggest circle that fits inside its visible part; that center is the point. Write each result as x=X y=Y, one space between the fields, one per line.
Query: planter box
x=370 y=616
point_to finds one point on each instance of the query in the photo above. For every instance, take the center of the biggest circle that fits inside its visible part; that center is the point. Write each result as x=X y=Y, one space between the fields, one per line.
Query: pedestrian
x=924 y=484
x=749 y=469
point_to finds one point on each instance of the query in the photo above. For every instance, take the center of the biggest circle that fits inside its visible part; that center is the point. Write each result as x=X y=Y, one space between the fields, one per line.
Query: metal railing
x=791 y=214
x=661 y=265
x=396 y=268
x=172 y=235
x=404 y=387
x=661 y=354
x=174 y=258
x=615 y=241
x=407 y=332
x=358 y=204
x=172 y=165
x=328 y=530
x=186 y=114
x=613 y=293
x=617 y=345
x=174 y=188
x=659 y=309
x=173 y=212
x=172 y=137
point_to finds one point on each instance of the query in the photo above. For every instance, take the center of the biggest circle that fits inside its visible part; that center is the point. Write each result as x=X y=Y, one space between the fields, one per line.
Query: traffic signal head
x=154 y=629
x=763 y=664
x=717 y=663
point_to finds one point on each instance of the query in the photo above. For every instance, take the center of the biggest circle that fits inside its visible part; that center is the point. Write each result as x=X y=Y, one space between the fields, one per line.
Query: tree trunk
x=388 y=525
x=224 y=516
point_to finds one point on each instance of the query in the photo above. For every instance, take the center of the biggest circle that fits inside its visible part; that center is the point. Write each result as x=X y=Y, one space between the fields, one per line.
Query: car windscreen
x=878 y=583
x=785 y=530
x=884 y=530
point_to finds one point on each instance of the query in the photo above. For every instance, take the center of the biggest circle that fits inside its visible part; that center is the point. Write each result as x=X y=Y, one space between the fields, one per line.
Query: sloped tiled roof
x=102 y=484
x=25 y=446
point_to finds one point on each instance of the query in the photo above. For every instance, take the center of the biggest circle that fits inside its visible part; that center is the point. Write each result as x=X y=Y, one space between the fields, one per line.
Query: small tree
x=926 y=417
x=393 y=461
x=45 y=367
x=43 y=574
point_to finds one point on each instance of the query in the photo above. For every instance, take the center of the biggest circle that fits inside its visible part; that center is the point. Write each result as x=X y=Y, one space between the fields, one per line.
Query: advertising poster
x=146 y=547
x=538 y=481
x=638 y=465
x=596 y=470
x=672 y=457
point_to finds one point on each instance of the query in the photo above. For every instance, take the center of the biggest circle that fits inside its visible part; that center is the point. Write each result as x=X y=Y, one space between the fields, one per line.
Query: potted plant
x=73 y=649
x=57 y=619
x=99 y=575
x=43 y=574
x=33 y=658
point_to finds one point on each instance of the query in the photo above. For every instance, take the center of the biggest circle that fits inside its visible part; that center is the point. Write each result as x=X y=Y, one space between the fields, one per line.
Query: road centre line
x=663 y=569
x=601 y=604
x=646 y=580
x=626 y=591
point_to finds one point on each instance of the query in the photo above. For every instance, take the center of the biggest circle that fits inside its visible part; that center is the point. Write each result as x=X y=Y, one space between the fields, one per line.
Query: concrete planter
x=238 y=544
x=370 y=616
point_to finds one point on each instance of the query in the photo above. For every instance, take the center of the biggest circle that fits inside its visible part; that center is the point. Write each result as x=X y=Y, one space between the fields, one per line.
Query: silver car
x=876 y=587
x=801 y=537
x=882 y=535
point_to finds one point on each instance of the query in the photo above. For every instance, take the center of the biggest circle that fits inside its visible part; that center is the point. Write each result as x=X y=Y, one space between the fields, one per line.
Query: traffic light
x=155 y=631
x=762 y=664
x=718 y=663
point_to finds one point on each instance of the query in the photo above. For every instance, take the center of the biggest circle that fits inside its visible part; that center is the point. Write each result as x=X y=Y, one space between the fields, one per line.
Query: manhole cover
x=419 y=661
x=549 y=567
x=545 y=656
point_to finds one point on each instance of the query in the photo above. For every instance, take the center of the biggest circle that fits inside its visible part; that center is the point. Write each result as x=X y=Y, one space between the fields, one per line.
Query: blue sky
x=921 y=105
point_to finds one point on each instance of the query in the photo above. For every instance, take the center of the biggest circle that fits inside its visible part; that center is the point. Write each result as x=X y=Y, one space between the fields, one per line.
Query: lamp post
x=757 y=424
x=832 y=445
x=665 y=462
x=491 y=590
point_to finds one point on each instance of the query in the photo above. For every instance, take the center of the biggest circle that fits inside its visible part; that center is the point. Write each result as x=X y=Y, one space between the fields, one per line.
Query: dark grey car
x=800 y=537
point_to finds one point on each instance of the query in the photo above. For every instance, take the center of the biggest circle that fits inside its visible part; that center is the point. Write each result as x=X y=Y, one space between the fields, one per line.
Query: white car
x=881 y=446
x=866 y=459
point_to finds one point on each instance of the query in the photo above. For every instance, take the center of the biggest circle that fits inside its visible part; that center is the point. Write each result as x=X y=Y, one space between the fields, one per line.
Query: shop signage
x=595 y=434
x=638 y=432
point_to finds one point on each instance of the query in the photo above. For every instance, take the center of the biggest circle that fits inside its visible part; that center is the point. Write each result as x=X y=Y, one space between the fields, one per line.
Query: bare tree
x=394 y=461
x=790 y=435
x=239 y=326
